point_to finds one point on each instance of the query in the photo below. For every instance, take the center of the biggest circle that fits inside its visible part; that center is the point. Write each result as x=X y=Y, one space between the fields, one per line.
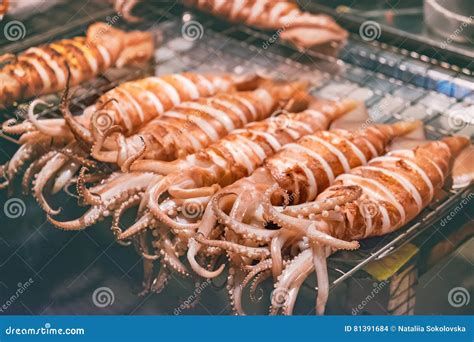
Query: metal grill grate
x=394 y=84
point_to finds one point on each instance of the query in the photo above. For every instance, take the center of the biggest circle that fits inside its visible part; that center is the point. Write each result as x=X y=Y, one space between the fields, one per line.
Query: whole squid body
x=303 y=29
x=393 y=189
x=43 y=70
x=186 y=129
x=53 y=146
x=46 y=69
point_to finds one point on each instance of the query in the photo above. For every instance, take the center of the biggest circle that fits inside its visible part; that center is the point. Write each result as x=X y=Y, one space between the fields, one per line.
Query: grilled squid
x=394 y=189
x=46 y=69
x=194 y=179
x=303 y=29
x=43 y=70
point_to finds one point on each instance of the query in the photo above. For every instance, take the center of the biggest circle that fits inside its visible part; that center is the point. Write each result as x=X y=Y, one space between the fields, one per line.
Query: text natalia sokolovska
x=405 y=328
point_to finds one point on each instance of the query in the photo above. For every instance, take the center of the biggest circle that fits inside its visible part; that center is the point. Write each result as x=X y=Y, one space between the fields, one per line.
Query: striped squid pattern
x=303 y=29
x=42 y=70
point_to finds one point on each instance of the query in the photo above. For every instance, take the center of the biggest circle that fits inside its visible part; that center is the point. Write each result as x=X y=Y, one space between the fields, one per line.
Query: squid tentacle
x=168 y=252
x=45 y=128
x=84 y=193
x=247 y=231
x=81 y=133
x=320 y=266
x=131 y=202
x=139 y=226
x=125 y=167
x=33 y=169
x=314 y=230
x=250 y=252
x=255 y=270
x=159 y=283
x=234 y=289
x=259 y=279
x=156 y=191
x=96 y=150
x=349 y=194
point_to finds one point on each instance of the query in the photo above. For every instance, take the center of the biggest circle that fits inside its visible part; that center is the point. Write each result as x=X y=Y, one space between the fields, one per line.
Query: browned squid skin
x=4 y=8
x=133 y=104
x=302 y=169
x=43 y=70
x=181 y=131
x=395 y=188
x=303 y=29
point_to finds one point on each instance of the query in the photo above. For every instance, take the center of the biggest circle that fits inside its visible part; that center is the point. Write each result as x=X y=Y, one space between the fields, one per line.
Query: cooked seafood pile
x=242 y=172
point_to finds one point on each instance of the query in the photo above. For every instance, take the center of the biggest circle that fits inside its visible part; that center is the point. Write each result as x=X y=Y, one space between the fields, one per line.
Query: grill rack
x=401 y=76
